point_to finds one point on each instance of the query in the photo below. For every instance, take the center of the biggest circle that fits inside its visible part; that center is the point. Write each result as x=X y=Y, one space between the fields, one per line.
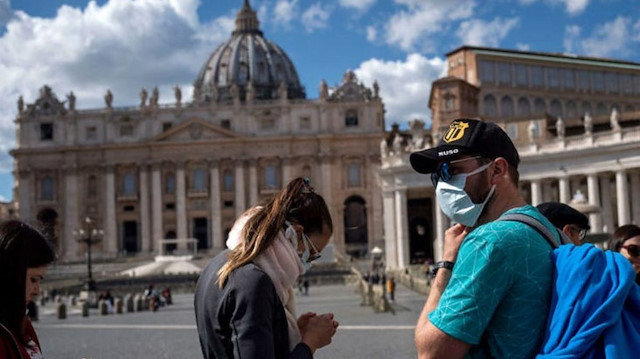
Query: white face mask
x=456 y=203
x=291 y=234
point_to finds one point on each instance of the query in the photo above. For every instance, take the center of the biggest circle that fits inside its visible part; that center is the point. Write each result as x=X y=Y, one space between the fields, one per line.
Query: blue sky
x=123 y=45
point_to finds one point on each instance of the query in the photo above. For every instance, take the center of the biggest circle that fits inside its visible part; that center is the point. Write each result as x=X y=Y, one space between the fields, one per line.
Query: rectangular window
x=522 y=75
x=537 y=76
x=267 y=124
x=636 y=84
x=598 y=81
x=126 y=131
x=626 y=84
x=351 y=118
x=228 y=181
x=487 y=72
x=46 y=131
x=354 y=175
x=305 y=123
x=228 y=204
x=552 y=77
x=504 y=69
x=225 y=124
x=270 y=180
x=166 y=126
x=91 y=133
x=584 y=80
x=569 y=79
x=612 y=83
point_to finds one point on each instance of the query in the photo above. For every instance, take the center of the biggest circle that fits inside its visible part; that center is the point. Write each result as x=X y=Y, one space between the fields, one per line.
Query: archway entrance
x=420 y=230
x=356 y=236
x=48 y=222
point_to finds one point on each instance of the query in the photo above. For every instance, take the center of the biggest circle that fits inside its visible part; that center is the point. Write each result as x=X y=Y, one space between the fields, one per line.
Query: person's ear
x=500 y=170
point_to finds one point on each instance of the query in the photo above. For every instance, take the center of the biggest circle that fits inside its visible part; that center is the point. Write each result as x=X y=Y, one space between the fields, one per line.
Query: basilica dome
x=247 y=66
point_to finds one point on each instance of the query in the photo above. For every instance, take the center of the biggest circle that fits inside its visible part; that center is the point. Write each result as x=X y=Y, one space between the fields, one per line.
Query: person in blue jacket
x=244 y=299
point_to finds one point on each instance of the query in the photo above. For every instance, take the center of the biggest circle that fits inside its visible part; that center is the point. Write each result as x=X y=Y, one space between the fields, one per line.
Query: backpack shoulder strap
x=535 y=224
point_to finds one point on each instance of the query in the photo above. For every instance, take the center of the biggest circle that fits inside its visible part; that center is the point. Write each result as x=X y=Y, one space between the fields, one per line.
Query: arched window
x=351 y=118
x=92 y=189
x=355 y=226
x=506 y=106
x=46 y=191
x=170 y=183
x=354 y=179
x=129 y=184
x=490 y=107
x=227 y=179
x=270 y=178
x=198 y=182
x=571 y=111
x=524 y=108
x=539 y=106
x=556 y=108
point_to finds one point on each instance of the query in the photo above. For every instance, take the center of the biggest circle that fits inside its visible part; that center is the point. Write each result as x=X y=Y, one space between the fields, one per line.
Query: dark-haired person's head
x=626 y=240
x=566 y=218
x=24 y=257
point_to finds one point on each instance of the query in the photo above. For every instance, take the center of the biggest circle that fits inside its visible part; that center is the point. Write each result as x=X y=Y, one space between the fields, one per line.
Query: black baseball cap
x=467 y=137
x=560 y=214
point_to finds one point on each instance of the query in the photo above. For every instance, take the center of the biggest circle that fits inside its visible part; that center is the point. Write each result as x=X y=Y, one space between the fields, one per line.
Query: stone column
x=622 y=199
x=563 y=188
x=110 y=223
x=239 y=188
x=71 y=222
x=635 y=197
x=181 y=203
x=286 y=171
x=402 y=228
x=325 y=167
x=217 y=237
x=389 y=218
x=593 y=193
x=536 y=192
x=156 y=205
x=25 y=190
x=607 y=211
x=144 y=209
x=253 y=183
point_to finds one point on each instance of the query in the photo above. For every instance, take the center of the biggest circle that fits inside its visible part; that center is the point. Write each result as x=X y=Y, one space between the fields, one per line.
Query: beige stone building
x=188 y=169
x=575 y=121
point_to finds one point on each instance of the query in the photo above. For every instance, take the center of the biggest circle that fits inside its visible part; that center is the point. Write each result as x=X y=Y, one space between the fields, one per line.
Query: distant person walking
x=391 y=288
x=24 y=257
x=244 y=299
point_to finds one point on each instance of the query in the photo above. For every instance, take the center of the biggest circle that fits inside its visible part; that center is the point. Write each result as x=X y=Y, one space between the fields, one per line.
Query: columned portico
x=156 y=204
x=536 y=192
x=564 y=194
x=389 y=215
x=593 y=194
x=402 y=227
x=605 y=195
x=181 y=203
x=622 y=198
x=110 y=227
x=144 y=209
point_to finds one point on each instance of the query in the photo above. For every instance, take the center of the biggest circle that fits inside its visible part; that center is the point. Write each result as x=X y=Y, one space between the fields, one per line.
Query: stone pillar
x=389 y=218
x=110 y=223
x=593 y=193
x=253 y=183
x=286 y=171
x=325 y=167
x=70 y=246
x=144 y=209
x=622 y=197
x=239 y=188
x=536 y=192
x=156 y=205
x=217 y=237
x=635 y=197
x=402 y=227
x=607 y=211
x=25 y=190
x=563 y=189
x=181 y=203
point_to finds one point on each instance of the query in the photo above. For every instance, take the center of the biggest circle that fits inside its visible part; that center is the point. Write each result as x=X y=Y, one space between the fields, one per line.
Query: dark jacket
x=245 y=319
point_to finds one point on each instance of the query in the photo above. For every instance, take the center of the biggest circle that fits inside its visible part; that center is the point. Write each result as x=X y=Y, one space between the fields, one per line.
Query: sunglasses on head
x=632 y=249
x=582 y=232
x=443 y=171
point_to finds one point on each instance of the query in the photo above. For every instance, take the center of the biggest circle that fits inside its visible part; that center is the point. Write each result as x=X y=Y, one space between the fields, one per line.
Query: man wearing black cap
x=567 y=219
x=490 y=294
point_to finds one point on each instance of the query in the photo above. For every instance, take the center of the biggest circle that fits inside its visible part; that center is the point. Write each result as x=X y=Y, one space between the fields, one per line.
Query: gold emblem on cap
x=455 y=131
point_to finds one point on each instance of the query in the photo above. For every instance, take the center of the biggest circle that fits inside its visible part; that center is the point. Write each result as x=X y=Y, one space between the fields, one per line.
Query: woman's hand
x=303 y=322
x=319 y=330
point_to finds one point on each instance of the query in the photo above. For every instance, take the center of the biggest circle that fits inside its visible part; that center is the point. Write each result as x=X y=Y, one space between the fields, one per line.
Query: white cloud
x=372 y=34
x=404 y=85
x=315 y=17
x=572 y=7
x=611 y=39
x=122 y=45
x=523 y=47
x=423 y=18
x=360 y=5
x=285 y=12
x=5 y=12
x=481 y=33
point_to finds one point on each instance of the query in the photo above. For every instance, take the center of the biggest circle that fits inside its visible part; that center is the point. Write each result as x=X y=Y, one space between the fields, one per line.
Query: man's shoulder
x=510 y=230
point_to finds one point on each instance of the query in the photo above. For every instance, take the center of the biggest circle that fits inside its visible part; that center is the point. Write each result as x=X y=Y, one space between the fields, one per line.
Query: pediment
x=195 y=130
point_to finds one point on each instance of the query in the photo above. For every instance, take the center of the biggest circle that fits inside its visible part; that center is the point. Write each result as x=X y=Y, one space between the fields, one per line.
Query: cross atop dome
x=247 y=20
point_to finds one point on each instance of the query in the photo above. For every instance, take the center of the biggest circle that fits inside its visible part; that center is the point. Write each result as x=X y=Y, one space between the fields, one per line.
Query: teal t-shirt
x=500 y=289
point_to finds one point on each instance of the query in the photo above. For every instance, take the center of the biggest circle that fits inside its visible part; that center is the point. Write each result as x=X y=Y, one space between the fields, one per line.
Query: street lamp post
x=89 y=235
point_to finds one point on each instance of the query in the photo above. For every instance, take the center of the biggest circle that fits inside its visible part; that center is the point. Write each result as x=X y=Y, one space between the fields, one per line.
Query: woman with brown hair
x=626 y=240
x=24 y=257
x=244 y=300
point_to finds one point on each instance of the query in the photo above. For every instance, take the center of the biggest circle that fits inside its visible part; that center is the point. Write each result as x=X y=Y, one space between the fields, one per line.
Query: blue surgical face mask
x=456 y=203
